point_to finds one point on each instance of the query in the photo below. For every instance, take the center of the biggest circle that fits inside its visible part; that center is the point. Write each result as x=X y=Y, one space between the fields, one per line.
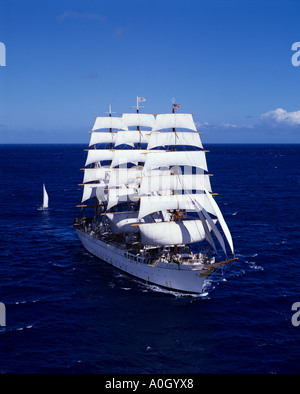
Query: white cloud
x=229 y=125
x=223 y=126
x=280 y=116
x=200 y=124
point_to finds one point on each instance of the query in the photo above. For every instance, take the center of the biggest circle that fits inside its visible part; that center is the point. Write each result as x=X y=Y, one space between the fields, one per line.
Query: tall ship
x=152 y=210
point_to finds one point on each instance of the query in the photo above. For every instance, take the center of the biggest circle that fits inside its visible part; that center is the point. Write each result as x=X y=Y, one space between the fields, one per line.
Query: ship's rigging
x=147 y=175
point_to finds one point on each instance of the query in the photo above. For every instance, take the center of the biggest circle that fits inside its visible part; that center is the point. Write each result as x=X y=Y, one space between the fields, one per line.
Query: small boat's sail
x=45 y=198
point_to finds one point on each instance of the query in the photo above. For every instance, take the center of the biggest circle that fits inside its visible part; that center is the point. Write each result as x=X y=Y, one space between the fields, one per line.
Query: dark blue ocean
x=68 y=312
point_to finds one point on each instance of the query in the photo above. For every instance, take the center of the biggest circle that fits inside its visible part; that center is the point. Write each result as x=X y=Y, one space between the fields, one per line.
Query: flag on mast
x=140 y=99
x=176 y=106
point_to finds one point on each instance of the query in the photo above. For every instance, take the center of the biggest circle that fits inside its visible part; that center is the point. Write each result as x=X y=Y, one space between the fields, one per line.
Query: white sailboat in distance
x=45 y=198
x=154 y=215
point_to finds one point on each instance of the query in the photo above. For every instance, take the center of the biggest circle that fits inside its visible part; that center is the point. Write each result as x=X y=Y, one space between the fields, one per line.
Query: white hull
x=169 y=275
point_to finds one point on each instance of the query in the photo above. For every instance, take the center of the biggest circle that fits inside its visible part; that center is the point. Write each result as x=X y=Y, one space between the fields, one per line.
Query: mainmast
x=110 y=130
x=177 y=216
x=173 y=111
x=138 y=127
x=139 y=99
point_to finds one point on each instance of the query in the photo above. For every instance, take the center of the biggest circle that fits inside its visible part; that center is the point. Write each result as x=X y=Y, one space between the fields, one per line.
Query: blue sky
x=228 y=62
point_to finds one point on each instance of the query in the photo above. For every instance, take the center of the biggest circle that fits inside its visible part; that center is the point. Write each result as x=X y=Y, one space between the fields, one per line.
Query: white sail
x=158 y=184
x=124 y=156
x=130 y=137
x=108 y=122
x=203 y=214
x=167 y=121
x=45 y=197
x=158 y=138
x=208 y=235
x=158 y=158
x=122 y=195
x=95 y=155
x=125 y=176
x=121 y=222
x=100 y=137
x=164 y=182
x=222 y=222
x=150 y=204
x=172 y=233
x=94 y=190
x=137 y=119
x=96 y=174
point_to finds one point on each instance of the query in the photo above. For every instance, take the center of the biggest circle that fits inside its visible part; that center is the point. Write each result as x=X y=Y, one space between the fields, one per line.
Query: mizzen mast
x=138 y=100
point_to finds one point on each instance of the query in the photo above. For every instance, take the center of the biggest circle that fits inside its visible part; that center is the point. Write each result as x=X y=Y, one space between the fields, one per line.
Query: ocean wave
x=176 y=294
x=253 y=265
x=8 y=330
x=23 y=328
x=25 y=302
